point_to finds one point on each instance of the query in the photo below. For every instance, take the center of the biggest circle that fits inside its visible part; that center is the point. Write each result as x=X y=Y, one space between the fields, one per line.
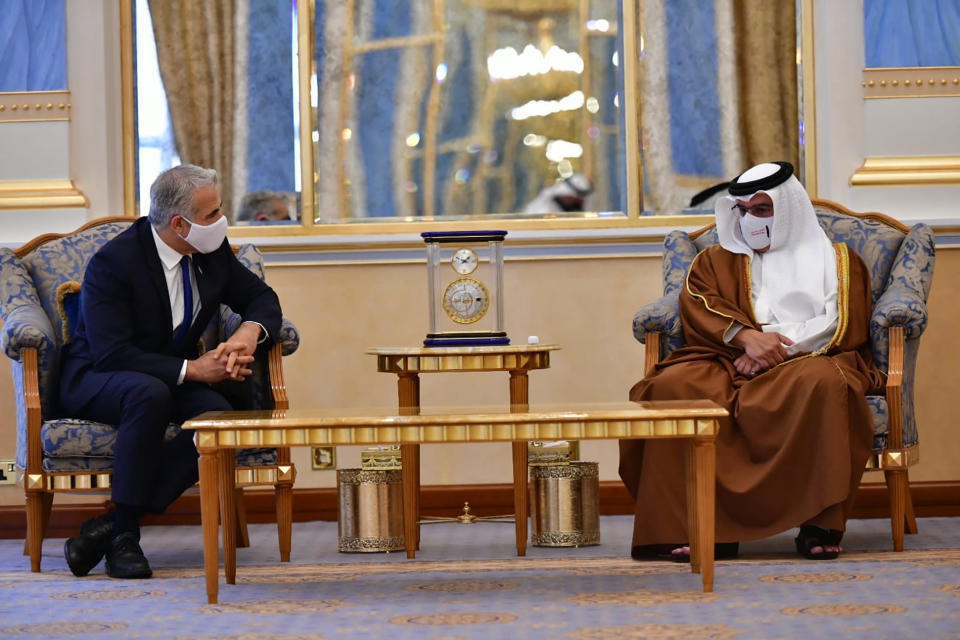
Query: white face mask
x=207 y=238
x=756 y=231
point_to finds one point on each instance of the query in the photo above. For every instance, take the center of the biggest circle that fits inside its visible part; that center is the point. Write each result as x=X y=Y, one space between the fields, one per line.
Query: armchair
x=900 y=261
x=67 y=455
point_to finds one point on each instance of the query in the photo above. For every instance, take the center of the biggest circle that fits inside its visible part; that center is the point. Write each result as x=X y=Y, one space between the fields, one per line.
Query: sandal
x=653 y=551
x=721 y=551
x=811 y=537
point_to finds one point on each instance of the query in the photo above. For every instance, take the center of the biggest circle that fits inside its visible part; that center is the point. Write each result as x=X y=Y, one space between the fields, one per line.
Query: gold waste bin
x=564 y=505
x=371 y=510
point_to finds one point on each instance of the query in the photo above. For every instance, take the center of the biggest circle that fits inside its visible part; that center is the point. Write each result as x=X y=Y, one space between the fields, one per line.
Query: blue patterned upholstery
x=28 y=307
x=901 y=273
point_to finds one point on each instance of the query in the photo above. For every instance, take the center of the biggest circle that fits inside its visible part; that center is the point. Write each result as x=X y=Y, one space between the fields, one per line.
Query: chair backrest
x=32 y=275
x=878 y=239
x=875 y=237
x=53 y=259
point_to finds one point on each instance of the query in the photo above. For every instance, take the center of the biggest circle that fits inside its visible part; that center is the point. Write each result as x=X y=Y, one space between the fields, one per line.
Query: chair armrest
x=25 y=324
x=894 y=389
x=661 y=316
x=903 y=302
x=278 y=387
x=288 y=339
x=27 y=327
x=900 y=306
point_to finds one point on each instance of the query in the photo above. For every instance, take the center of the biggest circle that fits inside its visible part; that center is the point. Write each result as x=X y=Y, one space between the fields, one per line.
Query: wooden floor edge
x=931 y=499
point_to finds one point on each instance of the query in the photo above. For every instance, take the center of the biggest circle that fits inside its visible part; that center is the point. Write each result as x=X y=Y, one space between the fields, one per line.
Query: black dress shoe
x=125 y=558
x=85 y=551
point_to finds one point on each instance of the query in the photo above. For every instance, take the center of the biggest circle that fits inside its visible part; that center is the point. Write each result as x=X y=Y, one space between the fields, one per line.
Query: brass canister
x=371 y=510
x=565 y=505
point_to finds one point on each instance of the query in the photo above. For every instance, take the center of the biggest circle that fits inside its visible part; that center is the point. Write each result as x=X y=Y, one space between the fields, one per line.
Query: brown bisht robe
x=799 y=435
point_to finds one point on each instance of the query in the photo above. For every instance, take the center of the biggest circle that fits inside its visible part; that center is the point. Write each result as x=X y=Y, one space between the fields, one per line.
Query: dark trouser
x=148 y=472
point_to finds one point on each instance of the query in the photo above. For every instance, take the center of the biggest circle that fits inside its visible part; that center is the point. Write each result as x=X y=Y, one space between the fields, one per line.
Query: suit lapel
x=155 y=271
x=205 y=285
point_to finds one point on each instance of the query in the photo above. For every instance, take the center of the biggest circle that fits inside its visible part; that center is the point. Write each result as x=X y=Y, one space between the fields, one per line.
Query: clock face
x=464 y=261
x=466 y=300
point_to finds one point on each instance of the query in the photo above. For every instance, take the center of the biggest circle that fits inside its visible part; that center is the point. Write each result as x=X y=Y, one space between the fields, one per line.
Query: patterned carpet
x=466 y=584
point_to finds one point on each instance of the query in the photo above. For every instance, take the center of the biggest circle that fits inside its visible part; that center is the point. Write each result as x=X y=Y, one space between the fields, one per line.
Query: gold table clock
x=465 y=285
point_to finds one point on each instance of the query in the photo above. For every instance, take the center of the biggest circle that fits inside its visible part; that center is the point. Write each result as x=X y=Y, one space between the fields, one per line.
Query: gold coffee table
x=219 y=433
x=409 y=362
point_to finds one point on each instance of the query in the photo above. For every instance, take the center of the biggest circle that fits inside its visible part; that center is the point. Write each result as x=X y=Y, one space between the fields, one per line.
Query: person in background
x=566 y=195
x=258 y=207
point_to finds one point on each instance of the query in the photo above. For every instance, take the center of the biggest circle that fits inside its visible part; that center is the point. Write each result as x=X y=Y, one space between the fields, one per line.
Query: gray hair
x=172 y=192
x=255 y=202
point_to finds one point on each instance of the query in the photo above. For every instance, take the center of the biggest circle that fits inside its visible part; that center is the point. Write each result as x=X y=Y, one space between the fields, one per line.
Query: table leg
x=520 y=403
x=209 y=488
x=520 y=495
x=409 y=479
x=408 y=392
x=693 y=512
x=228 y=513
x=704 y=469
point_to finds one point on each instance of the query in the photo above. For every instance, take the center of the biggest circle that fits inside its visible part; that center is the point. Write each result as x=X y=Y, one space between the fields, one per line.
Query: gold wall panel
x=907 y=170
x=34 y=106
x=41 y=194
x=911 y=82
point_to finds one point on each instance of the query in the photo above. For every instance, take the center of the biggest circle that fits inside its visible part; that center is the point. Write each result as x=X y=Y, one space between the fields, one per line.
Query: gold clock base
x=466 y=339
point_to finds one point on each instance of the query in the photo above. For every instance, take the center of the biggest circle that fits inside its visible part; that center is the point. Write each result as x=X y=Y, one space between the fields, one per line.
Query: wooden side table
x=409 y=362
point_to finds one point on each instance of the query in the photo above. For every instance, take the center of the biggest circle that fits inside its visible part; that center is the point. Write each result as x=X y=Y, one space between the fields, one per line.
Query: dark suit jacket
x=125 y=322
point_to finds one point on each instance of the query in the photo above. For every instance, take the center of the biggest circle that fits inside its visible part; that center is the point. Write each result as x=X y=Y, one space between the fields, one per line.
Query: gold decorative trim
x=475 y=431
x=807 y=68
x=631 y=105
x=247 y=429
x=894 y=459
x=41 y=194
x=911 y=82
x=370 y=545
x=102 y=481
x=686 y=283
x=127 y=104
x=565 y=539
x=34 y=481
x=306 y=76
x=518 y=358
x=907 y=170
x=34 y=106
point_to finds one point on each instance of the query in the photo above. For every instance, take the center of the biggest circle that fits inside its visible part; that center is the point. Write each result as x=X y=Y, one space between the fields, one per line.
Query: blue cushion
x=70 y=444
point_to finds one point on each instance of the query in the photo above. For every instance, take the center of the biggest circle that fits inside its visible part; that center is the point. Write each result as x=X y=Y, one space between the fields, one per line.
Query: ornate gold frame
x=907 y=170
x=632 y=217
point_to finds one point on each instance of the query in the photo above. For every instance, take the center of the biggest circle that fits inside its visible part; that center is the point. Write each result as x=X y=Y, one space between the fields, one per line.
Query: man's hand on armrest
x=212 y=368
x=242 y=343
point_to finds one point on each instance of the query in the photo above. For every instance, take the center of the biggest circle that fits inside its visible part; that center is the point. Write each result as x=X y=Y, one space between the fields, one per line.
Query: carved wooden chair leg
x=243 y=533
x=911 y=524
x=34 y=542
x=46 y=506
x=284 y=500
x=897 y=490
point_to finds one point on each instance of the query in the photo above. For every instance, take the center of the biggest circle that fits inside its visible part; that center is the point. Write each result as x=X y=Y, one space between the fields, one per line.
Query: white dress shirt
x=170 y=261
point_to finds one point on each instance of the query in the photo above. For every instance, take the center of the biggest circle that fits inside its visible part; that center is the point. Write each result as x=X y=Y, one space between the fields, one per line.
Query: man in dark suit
x=133 y=361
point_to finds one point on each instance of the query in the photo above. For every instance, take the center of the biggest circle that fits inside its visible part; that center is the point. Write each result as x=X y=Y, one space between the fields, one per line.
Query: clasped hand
x=761 y=351
x=229 y=360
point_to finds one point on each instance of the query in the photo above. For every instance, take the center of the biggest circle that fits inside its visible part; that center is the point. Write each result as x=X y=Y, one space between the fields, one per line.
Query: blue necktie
x=187 y=301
